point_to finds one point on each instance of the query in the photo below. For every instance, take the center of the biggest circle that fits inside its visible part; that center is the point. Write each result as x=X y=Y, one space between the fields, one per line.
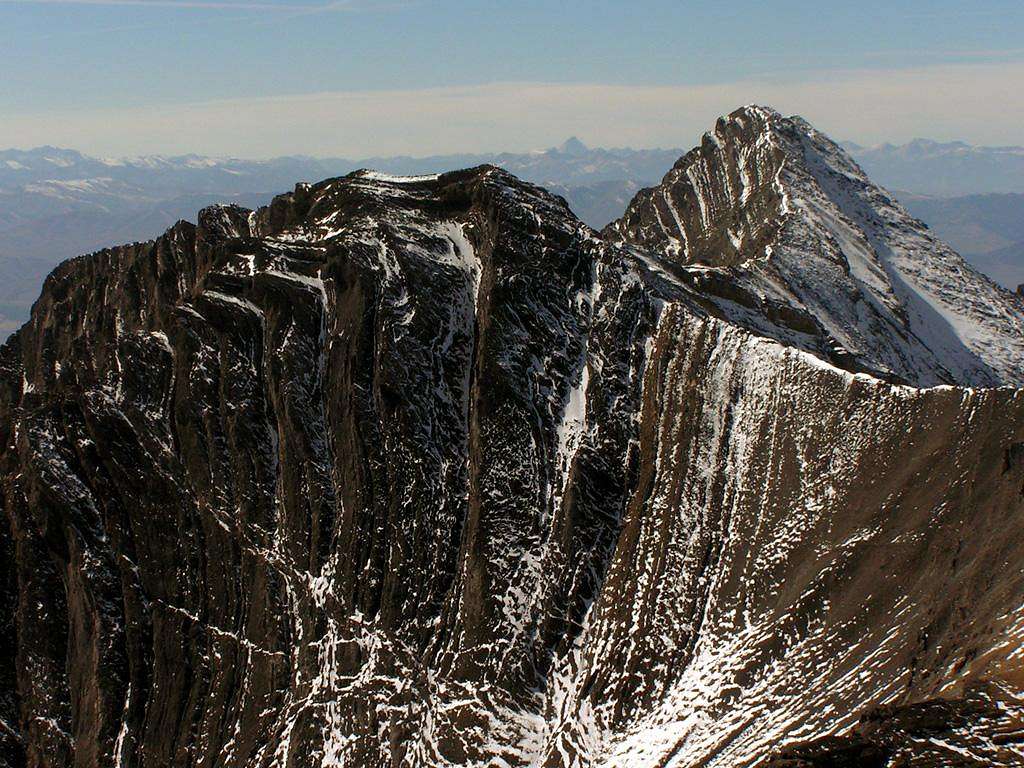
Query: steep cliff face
x=803 y=546
x=782 y=214
x=420 y=471
x=312 y=483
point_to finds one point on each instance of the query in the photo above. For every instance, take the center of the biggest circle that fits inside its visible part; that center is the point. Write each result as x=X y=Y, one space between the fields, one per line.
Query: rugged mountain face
x=779 y=210
x=55 y=204
x=420 y=471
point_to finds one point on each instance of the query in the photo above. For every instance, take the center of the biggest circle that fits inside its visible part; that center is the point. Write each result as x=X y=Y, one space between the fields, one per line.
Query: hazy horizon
x=682 y=146
x=237 y=78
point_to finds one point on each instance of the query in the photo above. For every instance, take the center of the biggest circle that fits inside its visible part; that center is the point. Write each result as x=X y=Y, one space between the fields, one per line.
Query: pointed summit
x=573 y=147
x=788 y=214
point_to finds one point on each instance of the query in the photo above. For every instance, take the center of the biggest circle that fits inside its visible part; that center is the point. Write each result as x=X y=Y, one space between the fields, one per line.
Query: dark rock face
x=279 y=455
x=422 y=472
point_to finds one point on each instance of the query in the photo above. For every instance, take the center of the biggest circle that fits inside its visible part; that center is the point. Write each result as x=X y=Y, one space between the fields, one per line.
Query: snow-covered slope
x=789 y=216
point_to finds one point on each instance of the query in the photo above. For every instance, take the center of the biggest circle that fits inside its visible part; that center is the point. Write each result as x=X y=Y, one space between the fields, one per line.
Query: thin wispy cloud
x=966 y=11
x=250 y=12
x=239 y=5
x=864 y=105
x=948 y=53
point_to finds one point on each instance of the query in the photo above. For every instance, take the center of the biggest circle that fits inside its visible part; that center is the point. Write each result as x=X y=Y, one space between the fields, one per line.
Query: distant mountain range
x=59 y=203
x=947 y=169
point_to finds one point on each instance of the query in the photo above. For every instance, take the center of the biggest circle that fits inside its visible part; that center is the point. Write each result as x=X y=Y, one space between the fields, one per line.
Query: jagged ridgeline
x=425 y=472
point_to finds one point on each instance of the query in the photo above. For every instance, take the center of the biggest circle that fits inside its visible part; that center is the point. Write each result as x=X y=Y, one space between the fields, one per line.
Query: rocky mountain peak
x=574 y=147
x=791 y=217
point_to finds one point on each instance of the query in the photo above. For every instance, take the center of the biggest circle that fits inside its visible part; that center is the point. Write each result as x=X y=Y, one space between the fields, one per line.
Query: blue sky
x=420 y=76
